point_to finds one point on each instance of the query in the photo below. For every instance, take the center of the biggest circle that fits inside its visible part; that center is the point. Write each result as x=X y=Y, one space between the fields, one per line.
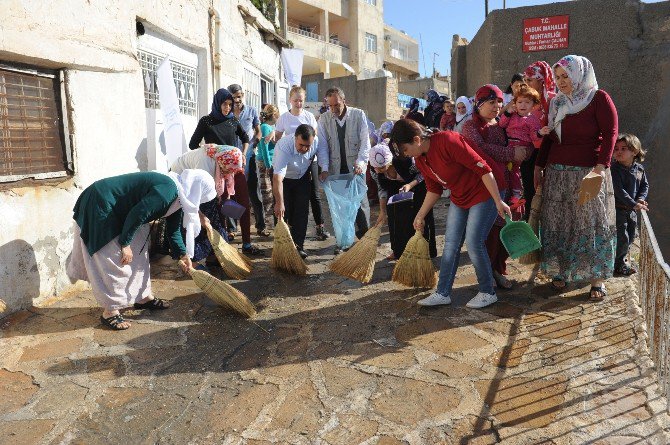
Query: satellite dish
x=348 y=68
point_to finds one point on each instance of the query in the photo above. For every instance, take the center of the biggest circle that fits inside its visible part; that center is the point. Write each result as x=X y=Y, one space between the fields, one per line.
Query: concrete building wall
x=366 y=18
x=629 y=49
x=417 y=87
x=95 y=46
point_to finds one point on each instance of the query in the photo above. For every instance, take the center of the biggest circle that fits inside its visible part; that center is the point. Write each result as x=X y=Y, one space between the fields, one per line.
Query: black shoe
x=302 y=253
x=321 y=234
x=337 y=250
x=252 y=250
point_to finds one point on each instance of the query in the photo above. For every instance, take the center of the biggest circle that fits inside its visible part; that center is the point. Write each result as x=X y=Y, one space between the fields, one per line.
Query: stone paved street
x=330 y=361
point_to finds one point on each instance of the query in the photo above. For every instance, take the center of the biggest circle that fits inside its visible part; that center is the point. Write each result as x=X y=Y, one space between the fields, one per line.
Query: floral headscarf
x=486 y=93
x=542 y=71
x=380 y=155
x=584 y=87
x=468 y=108
x=232 y=159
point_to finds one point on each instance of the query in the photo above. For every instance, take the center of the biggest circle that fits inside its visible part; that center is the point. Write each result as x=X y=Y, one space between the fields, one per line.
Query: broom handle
x=183 y=264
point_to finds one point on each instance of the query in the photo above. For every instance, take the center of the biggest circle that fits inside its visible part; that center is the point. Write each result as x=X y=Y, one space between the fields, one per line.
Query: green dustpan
x=518 y=238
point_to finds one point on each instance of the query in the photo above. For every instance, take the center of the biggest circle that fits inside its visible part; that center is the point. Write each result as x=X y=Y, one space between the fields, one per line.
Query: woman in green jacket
x=111 y=236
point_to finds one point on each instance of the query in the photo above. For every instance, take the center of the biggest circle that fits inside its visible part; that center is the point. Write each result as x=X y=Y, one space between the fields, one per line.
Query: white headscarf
x=584 y=87
x=380 y=155
x=468 y=108
x=195 y=187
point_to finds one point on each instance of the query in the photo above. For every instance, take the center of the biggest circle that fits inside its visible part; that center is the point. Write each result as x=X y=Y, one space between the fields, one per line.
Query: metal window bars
x=185 y=79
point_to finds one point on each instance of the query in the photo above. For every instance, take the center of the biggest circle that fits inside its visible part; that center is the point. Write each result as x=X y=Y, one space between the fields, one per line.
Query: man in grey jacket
x=344 y=147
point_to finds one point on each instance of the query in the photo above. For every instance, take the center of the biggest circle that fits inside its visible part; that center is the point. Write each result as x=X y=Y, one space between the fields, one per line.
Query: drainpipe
x=284 y=19
x=215 y=42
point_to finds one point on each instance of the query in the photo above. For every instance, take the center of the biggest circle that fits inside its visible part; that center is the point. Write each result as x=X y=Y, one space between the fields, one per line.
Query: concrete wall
x=95 y=44
x=378 y=96
x=629 y=49
x=417 y=87
x=366 y=18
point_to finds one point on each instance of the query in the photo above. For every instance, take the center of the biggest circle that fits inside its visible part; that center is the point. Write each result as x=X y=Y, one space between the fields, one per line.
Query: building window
x=252 y=88
x=32 y=125
x=370 y=42
x=267 y=91
x=371 y=2
x=185 y=80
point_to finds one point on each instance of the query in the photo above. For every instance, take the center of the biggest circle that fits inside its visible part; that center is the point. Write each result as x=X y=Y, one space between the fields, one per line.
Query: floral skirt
x=578 y=241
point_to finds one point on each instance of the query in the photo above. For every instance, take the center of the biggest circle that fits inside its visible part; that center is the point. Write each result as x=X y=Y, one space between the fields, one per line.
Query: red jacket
x=452 y=163
x=587 y=138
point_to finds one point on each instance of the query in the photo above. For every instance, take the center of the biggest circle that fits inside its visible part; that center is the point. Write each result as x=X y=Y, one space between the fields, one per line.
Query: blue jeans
x=475 y=223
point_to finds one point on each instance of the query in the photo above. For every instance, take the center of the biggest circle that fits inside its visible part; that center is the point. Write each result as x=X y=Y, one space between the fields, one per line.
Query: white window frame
x=371 y=2
x=370 y=42
x=252 y=86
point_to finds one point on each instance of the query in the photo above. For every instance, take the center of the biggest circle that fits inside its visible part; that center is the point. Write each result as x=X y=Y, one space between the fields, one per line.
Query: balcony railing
x=315 y=36
x=654 y=276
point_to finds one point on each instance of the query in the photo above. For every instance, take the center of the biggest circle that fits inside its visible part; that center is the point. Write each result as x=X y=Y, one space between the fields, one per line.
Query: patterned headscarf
x=468 y=108
x=220 y=97
x=380 y=155
x=194 y=187
x=232 y=159
x=486 y=93
x=542 y=71
x=584 y=87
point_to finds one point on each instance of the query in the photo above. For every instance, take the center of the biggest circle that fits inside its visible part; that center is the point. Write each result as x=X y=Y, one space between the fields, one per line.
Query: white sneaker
x=434 y=299
x=482 y=300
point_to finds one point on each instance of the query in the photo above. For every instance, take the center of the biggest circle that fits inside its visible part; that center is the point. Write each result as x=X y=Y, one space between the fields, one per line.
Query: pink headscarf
x=232 y=160
x=542 y=71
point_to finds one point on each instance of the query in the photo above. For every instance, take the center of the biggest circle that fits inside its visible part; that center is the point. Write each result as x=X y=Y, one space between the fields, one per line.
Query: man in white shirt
x=291 y=182
x=344 y=147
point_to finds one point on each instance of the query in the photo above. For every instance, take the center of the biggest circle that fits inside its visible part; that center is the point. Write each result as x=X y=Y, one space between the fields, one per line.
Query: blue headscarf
x=413 y=105
x=372 y=131
x=220 y=97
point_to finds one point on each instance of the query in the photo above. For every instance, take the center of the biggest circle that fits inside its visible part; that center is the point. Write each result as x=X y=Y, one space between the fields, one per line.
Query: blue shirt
x=248 y=120
x=288 y=162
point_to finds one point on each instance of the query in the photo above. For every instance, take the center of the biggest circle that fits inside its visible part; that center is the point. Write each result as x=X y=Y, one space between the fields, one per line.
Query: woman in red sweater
x=447 y=161
x=578 y=240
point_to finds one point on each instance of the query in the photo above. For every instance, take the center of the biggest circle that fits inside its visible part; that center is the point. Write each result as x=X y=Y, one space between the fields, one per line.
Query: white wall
x=95 y=43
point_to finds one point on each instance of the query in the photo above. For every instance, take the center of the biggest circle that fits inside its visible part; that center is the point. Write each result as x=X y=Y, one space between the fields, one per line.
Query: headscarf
x=380 y=155
x=220 y=97
x=542 y=71
x=194 y=187
x=468 y=108
x=432 y=96
x=384 y=128
x=372 y=132
x=486 y=93
x=584 y=87
x=232 y=159
x=413 y=105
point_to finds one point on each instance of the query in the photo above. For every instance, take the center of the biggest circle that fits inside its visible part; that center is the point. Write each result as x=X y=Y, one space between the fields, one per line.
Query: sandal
x=502 y=281
x=624 y=270
x=264 y=233
x=391 y=257
x=597 y=293
x=114 y=322
x=156 y=303
x=558 y=283
x=231 y=236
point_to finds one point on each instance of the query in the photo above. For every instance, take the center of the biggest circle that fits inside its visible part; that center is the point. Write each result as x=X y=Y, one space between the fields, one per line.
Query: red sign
x=546 y=33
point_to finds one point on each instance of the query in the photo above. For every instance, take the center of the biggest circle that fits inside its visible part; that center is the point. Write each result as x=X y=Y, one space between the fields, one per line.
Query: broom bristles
x=358 y=262
x=534 y=221
x=415 y=268
x=284 y=254
x=3 y=306
x=234 y=264
x=222 y=293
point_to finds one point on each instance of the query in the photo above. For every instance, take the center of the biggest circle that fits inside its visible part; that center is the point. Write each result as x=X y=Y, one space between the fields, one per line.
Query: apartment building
x=339 y=37
x=401 y=54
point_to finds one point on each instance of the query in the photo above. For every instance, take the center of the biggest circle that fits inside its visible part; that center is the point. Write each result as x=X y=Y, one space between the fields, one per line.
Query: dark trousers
x=241 y=197
x=254 y=191
x=527 y=174
x=296 y=205
x=315 y=195
x=626 y=222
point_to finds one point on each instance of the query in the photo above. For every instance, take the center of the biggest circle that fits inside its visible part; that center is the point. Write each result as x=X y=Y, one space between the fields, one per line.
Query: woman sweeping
x=394 y=175
x=447 y=161
x=578 y=241
x=111 y=236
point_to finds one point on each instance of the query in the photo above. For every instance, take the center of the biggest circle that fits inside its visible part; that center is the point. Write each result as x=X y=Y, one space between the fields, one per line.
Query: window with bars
x=32 y=125
x=185 y=79
x=252 y=89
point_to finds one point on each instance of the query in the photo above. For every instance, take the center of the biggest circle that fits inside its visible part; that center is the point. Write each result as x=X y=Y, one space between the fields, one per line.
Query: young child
x=522 y=128
x=630 y=195
x=448 y=119
x=269 y=117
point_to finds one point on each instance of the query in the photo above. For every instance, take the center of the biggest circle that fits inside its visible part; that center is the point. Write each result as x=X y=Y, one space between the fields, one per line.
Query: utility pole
x=423 y=56
x=486 y=8
x=434 y=72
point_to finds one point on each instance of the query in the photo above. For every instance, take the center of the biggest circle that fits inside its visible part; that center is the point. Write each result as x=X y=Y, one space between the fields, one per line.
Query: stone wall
x=629 y=49
x=95 y=45
x=417 y=87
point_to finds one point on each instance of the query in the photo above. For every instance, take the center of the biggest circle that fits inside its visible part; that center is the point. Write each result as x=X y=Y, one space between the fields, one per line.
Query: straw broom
x=284 y=254
x=534 y=221
x=234 y=264
x=415 y=268
x=3 y=306
x=222 y=293
x=359 y=261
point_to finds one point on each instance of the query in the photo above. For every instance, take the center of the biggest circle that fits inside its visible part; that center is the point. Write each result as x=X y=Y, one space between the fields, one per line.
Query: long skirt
x=114 y=286
x=578 y=241
x=265 y=186
x=203 y=248
x=401 y=218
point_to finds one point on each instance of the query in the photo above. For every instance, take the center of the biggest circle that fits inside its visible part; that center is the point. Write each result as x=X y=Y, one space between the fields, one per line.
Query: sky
x=434 y=22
